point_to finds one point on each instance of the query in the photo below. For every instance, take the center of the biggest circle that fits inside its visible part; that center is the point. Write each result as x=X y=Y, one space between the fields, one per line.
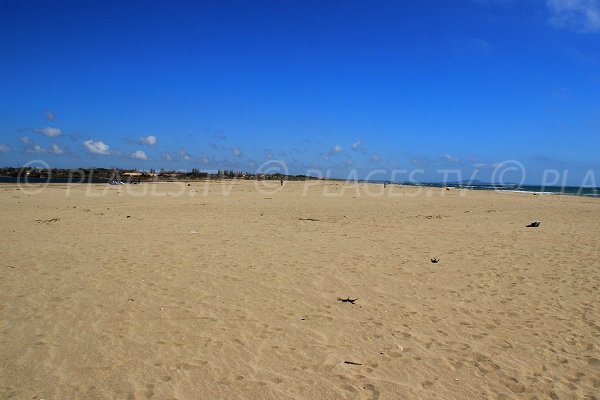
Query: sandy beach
x=231 y=290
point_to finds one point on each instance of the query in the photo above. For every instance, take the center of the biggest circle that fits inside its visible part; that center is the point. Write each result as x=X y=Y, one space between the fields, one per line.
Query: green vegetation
x=130 y=175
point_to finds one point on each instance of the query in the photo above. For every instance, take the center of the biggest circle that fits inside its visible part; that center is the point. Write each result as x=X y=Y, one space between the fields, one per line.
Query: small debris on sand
x=534 y=224
x=352 y=363
x=435 y=260
x=309 y=219
x=47 y=221
x=346 y=300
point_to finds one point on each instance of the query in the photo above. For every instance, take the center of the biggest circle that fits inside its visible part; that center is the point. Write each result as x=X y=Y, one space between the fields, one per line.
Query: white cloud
x=451 y=159
x=139 y=155
x=184 y=154
x=149 y=140
x=50 y=132
x=30 y=146
x=56 y=149
x=236 y=152
x=337 y=149
x=24 y=140
x=356 y=145
x=167 y=156
x=98 y=147
x=36 y=148
x=4 y=148
x=579 y=15
x=375 y=158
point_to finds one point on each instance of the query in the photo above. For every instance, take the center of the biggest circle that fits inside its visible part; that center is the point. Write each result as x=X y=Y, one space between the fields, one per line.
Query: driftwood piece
x=309 y=219
x=534 y=224
x=346 y=300
x=352 y=363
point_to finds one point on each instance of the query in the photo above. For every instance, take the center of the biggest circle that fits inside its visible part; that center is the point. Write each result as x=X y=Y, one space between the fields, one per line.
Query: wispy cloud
x=149 y=140
x=335 y=150
x=185 y=155
x=96 y=147
x=139 y=155
x=4 y=148
x=49 y=132
x=219 y=136
x=56 y=149
x=482 y=166
x=578 y=15
x=580 y=56
x=75 y=136
x=471 y=45
x=451 y=159
x=478 y=44
x=30 y=146
x=375 y=158
x=50 y=116
x=165 y=156
x=236 y=152
x=206 y=160
x=25 y=140
x=356 y=145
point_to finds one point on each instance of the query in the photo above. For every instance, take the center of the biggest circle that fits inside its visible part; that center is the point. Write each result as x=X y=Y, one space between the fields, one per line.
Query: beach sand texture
x=222 y=290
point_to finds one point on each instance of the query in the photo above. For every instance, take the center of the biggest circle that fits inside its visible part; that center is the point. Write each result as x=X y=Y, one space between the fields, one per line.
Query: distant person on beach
x=281 y=181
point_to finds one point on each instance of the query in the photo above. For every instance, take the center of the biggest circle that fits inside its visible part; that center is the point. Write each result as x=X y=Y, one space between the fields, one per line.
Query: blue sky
x=328 y=85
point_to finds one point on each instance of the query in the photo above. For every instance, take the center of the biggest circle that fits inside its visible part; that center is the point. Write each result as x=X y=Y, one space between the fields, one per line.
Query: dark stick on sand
x=47 y=221
x=346 y=300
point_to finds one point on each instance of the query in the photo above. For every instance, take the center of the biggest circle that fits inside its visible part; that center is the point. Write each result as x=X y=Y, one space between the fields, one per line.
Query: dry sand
x=224 y=291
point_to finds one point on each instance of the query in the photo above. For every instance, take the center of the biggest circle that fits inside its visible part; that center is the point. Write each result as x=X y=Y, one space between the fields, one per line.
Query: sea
x=533 y=189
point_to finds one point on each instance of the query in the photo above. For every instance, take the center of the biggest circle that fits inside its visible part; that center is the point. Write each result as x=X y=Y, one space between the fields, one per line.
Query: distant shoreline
x=524 y=189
